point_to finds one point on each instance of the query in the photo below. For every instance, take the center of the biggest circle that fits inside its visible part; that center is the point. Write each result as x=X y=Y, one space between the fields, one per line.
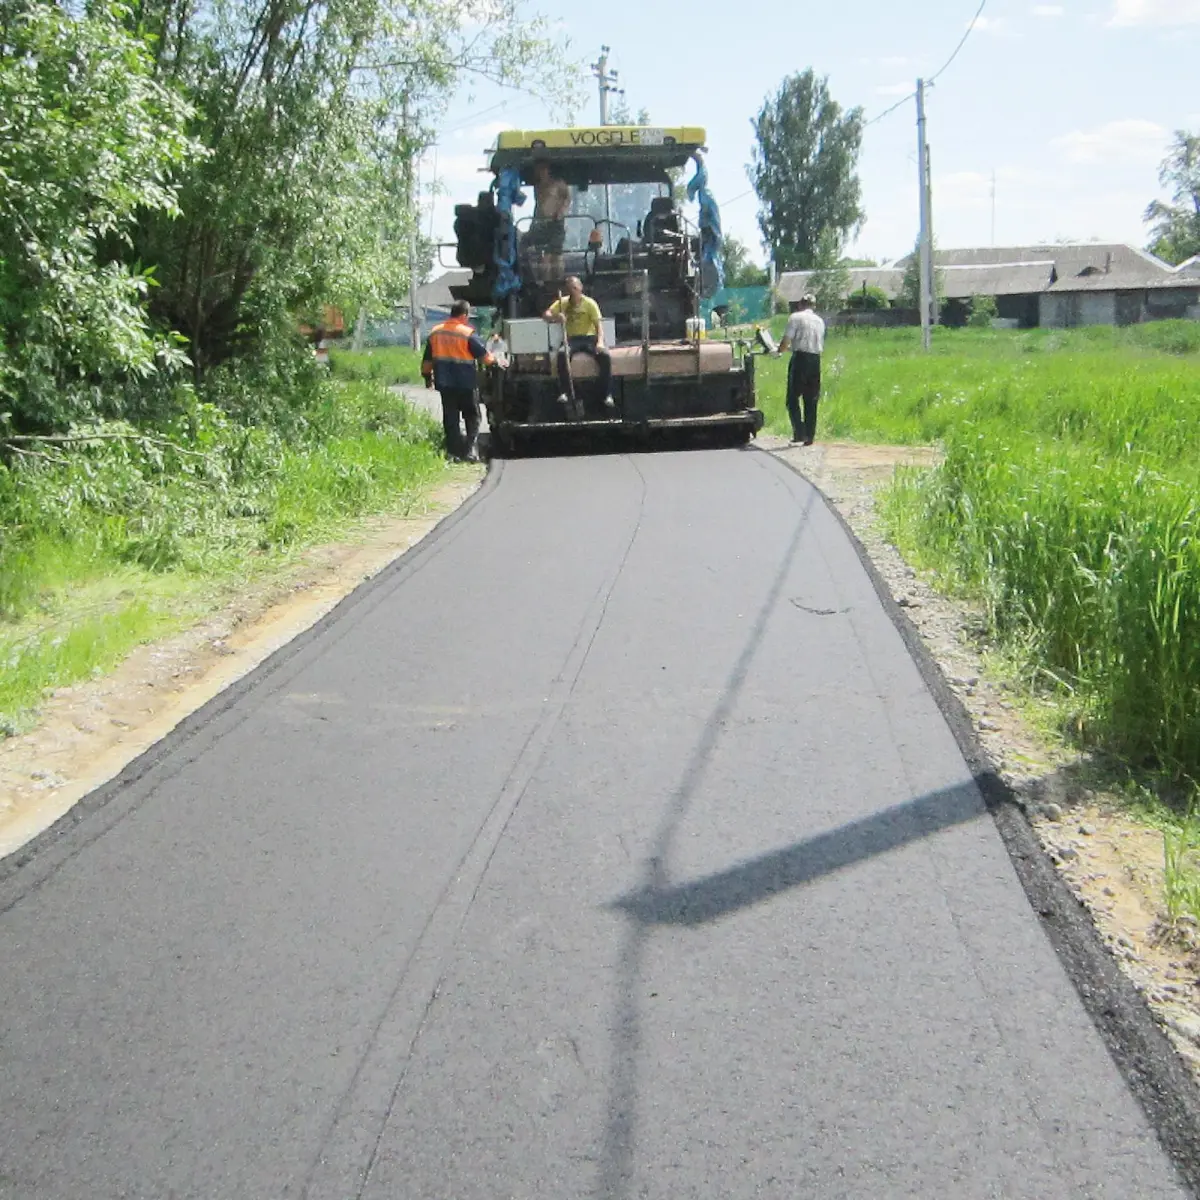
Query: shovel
x=576 y=409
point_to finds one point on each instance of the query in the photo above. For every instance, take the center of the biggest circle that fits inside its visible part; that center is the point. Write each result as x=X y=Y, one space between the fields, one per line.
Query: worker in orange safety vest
x=448 y=364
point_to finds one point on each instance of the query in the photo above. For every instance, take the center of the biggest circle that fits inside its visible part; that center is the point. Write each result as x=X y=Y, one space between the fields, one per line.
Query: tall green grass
x=109 y=542
x=381 y=364
x=1067 y=502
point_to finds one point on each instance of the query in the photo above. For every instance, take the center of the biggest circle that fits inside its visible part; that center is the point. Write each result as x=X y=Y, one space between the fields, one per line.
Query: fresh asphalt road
x=608 y=845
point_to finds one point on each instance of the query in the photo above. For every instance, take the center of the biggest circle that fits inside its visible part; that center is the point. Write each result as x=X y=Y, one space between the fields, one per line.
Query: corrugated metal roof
x=436 y=293
x=1070 y=257
x=793 y=284
x=1122 y=282
x=995 y=279
x=1025 y=270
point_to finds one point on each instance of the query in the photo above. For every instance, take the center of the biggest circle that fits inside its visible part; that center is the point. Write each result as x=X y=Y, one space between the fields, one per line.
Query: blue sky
x=1070 y=105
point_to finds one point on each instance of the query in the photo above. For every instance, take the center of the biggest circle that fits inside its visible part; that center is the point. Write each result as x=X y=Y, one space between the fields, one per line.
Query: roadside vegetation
x=381 y=364
x=116 y=535
x=189 y=197
x=1067 y=505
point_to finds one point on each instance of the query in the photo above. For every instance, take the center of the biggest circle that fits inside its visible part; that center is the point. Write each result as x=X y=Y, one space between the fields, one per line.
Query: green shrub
x=982 y=312
x=867 y=299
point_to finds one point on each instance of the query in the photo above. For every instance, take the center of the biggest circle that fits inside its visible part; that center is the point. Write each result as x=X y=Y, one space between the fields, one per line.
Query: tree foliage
x=88 y=139
x=1176 y=226
x=740 y=269
x=204 y=173
x=867 y=299
x=804 y=169
x=313 y=111
x=830 y=281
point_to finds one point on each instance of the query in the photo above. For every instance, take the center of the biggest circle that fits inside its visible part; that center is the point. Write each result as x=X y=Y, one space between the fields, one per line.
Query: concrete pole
x=600 y=67
x=926 y=239
x=993 y=208
x=410 y=193
x=935 y=309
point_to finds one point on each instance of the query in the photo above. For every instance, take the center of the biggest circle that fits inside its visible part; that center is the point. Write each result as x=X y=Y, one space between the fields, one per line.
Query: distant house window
x=1091 y=271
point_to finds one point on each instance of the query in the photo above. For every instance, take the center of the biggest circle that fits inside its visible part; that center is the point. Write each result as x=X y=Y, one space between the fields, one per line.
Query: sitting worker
x=583 y=333
x=448 y=364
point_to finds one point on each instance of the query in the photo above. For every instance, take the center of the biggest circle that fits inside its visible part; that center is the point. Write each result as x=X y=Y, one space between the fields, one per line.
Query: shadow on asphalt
x=748 y=883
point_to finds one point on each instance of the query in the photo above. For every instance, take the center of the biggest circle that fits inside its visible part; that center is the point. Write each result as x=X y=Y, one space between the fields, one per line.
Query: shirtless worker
x=548 y=230
x=583 y=333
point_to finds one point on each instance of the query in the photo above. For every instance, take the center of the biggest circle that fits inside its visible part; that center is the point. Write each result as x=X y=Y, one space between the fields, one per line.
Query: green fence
x=739 y=305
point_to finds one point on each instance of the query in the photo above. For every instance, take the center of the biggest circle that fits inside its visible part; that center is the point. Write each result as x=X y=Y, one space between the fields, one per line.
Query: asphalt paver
x=611 y=844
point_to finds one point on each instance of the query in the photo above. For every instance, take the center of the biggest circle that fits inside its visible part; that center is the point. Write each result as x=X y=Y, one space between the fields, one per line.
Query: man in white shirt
x=805 y=334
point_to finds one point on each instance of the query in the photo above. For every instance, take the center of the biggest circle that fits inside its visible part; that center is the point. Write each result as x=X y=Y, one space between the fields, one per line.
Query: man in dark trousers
x=805 y=334
x=451 y=353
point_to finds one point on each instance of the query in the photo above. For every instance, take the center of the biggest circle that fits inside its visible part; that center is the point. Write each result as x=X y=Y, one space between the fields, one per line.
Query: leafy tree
x=830 y=280
x=740 y=270
x=859 y=262
x=804 y=169
x=1176 y=232
x=621 y=114
x=87 y=140
x=312 y=112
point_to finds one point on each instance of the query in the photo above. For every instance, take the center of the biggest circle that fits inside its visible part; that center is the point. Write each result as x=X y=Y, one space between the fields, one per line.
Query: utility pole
x=993 y=207
x=606 y=80
x=410 y=195
x=926 y=240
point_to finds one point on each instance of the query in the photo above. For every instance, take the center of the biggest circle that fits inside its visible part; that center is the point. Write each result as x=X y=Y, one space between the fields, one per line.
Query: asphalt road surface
x=609 y=845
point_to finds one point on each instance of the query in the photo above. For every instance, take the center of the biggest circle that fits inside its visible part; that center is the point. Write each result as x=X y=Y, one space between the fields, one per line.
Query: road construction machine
x=626 y=209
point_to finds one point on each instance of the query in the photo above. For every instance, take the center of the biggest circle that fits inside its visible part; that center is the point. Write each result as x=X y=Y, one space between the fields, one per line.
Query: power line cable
x=739 y=196
x=962 y=42
x=887 y=112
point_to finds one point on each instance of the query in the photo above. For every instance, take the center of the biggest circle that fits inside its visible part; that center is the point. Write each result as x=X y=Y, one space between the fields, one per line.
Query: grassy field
x=108 y=543
x=1100 y=383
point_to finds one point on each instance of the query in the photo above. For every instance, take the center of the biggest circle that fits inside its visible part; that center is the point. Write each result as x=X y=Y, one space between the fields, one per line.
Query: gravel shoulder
x=1112 y=863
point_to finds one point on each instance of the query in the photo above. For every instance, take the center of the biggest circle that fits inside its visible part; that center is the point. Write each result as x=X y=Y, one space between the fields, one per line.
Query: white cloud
x=894 y=89
x=1130 y=140
x=894 y=60
x=993 y=26
x=1155 y=12
x=1047 y=10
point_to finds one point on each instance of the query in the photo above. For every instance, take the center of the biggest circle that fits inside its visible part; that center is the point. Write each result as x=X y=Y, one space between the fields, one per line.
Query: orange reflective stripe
x=451 y=342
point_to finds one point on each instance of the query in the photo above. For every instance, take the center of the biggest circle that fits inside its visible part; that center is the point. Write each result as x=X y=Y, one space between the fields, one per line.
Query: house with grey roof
x=1057 y=286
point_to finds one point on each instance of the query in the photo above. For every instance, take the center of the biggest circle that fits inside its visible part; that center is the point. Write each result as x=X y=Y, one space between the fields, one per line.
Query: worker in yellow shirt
x=583 y=333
